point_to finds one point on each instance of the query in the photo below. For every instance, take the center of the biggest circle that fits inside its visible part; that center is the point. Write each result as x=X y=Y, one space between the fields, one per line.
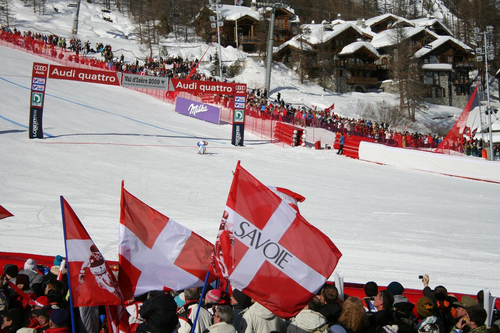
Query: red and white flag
x=157 y=253
x=266 y=249
x=4 y=213
x=288 y=196
x=92 y=281
x=117 y=319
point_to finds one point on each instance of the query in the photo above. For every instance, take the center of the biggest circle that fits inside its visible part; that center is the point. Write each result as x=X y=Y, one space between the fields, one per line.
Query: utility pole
x=74 y=31
x=270 y=42
x=487 y=37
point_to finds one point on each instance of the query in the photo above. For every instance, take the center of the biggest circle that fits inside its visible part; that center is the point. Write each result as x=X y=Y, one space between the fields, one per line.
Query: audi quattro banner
x=197 y=110
x=83 y=75
x=37 y=96
x=146 y=82
x=196 y=87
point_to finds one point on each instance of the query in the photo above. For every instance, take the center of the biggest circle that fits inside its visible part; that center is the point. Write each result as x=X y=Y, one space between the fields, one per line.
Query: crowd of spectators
x=259 y=104
x=34 y=300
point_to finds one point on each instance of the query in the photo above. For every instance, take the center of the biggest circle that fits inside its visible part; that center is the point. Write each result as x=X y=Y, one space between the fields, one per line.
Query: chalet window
x=438 y=92
x=461 y=91
x=431 y=60
x=449 y=59
x=431 y=78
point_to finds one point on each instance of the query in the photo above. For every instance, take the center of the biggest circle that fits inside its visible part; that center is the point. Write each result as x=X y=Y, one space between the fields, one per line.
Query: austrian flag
x=157 y=253
x=92 y=282
x=268 y=250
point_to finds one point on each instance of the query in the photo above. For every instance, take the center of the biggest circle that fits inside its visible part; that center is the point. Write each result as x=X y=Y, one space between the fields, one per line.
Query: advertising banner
x=240 y=103
x=37 y=96
x=147 y=82
x=238 y=134
x=196 y=87
x=83 y=75
x=197 y=110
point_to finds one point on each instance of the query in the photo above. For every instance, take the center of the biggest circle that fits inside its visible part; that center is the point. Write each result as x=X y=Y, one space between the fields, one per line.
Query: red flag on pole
x=91 y=280
x=288 y=196
x=268 y=250
x=170 y=255
x=117 y=319
x=4 y=213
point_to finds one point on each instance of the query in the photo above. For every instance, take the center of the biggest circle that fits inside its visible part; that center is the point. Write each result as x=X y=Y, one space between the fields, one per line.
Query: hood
x=309 y=320
x=261 y=312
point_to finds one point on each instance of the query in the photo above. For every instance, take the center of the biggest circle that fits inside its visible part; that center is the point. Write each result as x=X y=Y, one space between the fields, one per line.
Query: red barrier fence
x=289 y=134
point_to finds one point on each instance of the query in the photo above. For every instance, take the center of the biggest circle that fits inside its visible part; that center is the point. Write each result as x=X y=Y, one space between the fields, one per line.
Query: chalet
x=238 y=28
x=246 y=28
x=447 y=64
x=355 y=68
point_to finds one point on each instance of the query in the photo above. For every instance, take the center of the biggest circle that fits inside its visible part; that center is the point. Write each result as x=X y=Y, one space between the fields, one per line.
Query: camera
x=420 y=277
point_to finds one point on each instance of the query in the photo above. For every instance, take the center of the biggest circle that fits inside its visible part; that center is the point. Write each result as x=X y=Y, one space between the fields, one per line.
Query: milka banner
x=146 y=82
x=197 y=110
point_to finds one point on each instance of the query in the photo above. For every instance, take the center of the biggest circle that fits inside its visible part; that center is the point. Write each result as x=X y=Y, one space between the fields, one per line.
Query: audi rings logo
x=239 y=87
x=43 y=68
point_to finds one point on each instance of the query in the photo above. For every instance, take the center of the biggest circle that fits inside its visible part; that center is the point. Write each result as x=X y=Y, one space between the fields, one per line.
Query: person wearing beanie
x=35 y=279
x=10 y=272
x=159 y=312
x=428 y=322
x=59 y=322
x=239 y=302
x=397 y=290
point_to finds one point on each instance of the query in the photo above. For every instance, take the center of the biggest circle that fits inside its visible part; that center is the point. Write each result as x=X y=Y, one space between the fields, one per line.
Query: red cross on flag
x=157 y=253
x=266 y=249
x=91 y=280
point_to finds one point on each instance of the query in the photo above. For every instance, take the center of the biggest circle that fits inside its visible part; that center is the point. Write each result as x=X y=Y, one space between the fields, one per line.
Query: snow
x=390 y=223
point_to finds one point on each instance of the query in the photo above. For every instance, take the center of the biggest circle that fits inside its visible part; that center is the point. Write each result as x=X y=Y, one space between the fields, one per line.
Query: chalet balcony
x=465 y=65
x=462 y=81
x=248 y=40
x=361 y=80
x=368 y=67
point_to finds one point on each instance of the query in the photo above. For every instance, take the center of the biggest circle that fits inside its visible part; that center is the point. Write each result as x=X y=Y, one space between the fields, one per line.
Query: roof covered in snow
x=441 y=41
x=354 y=47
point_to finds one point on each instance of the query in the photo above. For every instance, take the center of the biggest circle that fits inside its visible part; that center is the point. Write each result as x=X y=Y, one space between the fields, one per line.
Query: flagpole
x=199 y=303
x=69 y=280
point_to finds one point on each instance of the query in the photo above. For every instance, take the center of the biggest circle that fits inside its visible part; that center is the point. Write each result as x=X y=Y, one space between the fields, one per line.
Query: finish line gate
x=42 y=72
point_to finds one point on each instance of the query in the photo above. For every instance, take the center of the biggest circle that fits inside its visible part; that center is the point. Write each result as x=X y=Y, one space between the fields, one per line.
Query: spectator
x=443 y=303
x=159 y=312
x=223 y=320
x=371 y=290
x=353 y=316
x=187 y=313
x=330 y=308
x=258 y=319
x=58 y=322
x=12 y=320
x=309 y=319
x=240 y=302
x=397 y=290
x=475 y=319
x=383 y=303
x=428 y=322
x=35 y=279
